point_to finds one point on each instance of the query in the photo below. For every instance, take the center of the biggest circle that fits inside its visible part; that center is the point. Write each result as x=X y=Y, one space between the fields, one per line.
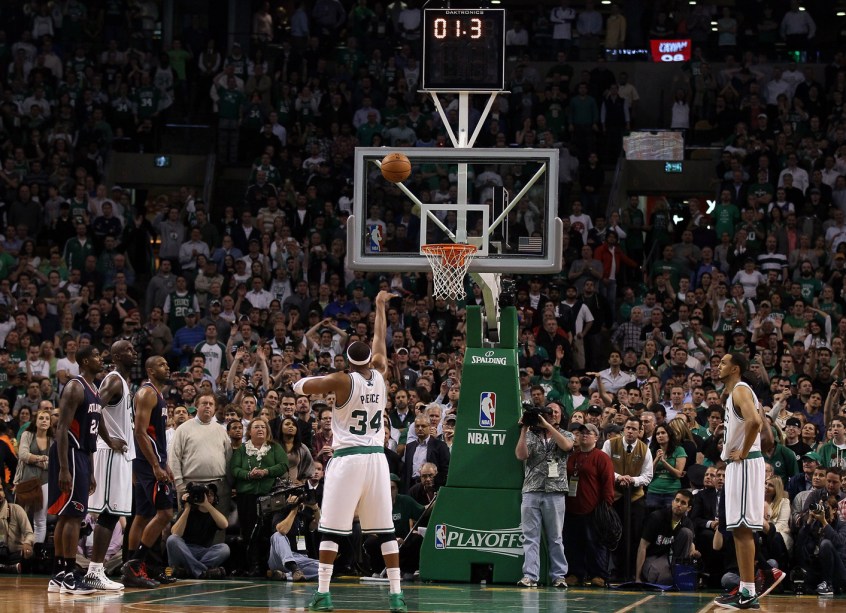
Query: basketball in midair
x=396 y=167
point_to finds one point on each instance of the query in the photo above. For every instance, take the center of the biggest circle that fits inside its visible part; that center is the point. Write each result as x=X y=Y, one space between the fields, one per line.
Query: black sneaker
x=741 y=600
x=135 y=575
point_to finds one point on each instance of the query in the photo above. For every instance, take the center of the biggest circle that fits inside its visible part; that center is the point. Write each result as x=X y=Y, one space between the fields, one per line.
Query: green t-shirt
x=783 y=462
x=726 y=217
x=405 y=508
x=811 y=286
x=663 y=481
x=833 y=455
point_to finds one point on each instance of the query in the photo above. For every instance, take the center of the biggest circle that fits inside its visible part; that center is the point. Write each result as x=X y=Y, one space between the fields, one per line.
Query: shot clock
x=463 y=50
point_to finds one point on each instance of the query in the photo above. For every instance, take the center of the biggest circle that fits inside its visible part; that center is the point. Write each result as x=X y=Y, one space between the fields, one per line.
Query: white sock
x=749 y=587
x=95 y=568
x=324 y=576
x=394 y=579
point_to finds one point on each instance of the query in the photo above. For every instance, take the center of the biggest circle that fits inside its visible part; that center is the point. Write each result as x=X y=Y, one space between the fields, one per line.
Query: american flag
x=530 y=244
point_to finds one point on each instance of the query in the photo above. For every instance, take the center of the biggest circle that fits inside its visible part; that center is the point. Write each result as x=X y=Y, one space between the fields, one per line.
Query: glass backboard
x=503 y=201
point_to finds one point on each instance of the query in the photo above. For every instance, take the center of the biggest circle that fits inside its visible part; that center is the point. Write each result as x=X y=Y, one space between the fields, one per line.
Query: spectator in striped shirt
x=770 y=259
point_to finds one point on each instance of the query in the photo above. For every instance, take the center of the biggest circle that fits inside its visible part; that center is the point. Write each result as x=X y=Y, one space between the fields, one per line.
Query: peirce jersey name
x=369 y=398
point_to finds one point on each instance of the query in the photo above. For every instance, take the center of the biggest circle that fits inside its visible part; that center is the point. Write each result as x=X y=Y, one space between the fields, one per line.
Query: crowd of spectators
x=246 y=300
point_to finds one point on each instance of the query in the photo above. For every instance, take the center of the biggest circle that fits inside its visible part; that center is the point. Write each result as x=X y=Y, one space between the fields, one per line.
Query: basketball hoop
x=449 y=265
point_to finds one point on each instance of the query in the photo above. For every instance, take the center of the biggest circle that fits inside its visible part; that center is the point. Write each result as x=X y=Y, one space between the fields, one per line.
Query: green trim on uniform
x=751 y=456
x=385 y=531
x=362 y=449
x=331 y=531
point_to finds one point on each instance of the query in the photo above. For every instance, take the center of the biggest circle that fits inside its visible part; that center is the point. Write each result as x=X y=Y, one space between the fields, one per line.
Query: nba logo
x=374 y=238
x=487 y=410
x=440 y=536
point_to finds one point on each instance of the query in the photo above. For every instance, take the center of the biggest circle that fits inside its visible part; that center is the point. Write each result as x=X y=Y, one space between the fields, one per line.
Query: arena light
x=801 y=8
x=841 y=13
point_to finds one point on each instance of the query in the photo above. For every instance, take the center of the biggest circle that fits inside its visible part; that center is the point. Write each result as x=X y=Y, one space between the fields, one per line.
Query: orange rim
x=452 y=254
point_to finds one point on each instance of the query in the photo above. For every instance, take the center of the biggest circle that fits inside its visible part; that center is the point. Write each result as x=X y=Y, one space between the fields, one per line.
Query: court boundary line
x=636 y=604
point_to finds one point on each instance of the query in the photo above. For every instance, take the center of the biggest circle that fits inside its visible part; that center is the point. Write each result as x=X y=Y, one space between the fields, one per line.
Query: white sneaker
x=100 y=582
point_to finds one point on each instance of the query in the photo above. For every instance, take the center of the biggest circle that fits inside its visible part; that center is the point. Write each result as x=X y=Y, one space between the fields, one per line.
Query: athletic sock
x=70 y=565
x=141 y=553
x=749 y=587
x=94 y=568
x=394 y=576
x=58 y=565
x=324 y=576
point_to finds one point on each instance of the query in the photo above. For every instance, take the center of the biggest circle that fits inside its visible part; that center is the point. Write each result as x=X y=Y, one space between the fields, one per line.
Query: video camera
x=277 y=500
x=532 y=414
x=197 y=492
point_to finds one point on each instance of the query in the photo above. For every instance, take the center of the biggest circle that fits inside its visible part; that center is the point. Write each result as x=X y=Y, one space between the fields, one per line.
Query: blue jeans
x=281 y=554
x=195 y=558
x=543 y=509
x=588 y=557
x=658 y=501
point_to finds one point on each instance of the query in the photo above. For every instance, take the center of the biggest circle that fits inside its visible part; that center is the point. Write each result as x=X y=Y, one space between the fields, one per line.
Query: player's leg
x=75 y=510
x=96 y=575
x=341 y=485
x=375 y=512
x=135 y=570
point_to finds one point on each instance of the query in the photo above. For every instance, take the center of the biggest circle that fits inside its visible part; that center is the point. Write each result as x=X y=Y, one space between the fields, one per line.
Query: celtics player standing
x=357 y=478
x=745 y=476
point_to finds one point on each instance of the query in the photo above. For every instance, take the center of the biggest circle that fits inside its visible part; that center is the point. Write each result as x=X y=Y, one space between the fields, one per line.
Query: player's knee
x=329 y=542
x=107 y=521
x=164 y=515
x=390 y=546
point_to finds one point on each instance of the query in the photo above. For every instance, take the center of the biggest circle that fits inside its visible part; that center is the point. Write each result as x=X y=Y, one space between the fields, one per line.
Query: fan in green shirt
x=833 y=452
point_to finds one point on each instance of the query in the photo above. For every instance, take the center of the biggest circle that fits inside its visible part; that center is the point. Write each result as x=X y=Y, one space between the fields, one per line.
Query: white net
x=449 y=265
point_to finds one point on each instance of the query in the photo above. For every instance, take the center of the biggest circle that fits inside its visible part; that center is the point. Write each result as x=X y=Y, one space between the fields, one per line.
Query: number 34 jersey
x=359 y=421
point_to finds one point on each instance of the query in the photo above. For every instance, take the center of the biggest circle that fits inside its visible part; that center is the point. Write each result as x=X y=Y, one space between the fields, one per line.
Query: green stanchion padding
x=486 y=429
x=471 y=526
x=474 y=326
x=508 y=328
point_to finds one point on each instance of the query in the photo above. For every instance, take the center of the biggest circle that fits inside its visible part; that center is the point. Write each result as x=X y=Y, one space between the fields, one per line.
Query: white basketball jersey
x=359 y=422
x=735 y=429
x=118 y=418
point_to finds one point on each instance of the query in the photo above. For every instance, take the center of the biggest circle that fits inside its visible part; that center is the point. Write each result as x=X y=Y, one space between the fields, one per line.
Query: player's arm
x=380 y=350
x=110 y=392
x=335 y=382
x=743 y=400
x=72 y=395
x=145 y=400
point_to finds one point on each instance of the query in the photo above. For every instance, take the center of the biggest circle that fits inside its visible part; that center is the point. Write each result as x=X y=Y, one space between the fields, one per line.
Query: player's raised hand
x=383 y=298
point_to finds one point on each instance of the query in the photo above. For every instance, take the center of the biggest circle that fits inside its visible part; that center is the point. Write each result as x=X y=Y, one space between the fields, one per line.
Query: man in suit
x=703 y=514
x=426 y=448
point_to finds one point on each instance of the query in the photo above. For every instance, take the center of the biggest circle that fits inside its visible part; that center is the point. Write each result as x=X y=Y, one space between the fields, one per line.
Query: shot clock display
x=464 y=49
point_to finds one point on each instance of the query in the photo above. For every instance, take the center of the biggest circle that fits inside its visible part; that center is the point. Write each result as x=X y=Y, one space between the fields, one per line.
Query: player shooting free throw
x=357 y=476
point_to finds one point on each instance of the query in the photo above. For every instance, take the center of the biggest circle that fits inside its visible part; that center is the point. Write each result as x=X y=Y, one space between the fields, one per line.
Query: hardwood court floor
x=29 y=594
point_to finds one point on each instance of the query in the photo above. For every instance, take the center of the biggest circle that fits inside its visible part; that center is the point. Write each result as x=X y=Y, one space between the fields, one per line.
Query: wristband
x=298 y=386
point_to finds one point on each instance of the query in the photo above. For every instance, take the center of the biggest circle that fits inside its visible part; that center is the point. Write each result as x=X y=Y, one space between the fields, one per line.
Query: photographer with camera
x=190 y=548
x=543 y=448
x=283 y=562
x=821 y=547
x=16 y=536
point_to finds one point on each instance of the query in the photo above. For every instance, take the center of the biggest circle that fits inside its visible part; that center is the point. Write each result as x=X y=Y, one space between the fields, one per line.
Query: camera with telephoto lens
x=532 y=414
x=197 y=493
x=818 y=507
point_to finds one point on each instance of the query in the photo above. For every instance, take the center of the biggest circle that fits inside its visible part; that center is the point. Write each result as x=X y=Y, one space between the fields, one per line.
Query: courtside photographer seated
x=190 y=548
x=284 y=561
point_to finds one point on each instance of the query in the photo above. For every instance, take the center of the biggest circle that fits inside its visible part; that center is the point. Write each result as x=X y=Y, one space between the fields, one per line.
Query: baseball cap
x=589 y=428
x=214 y=303
x=395 y=478
x=813 y=456
x=451 y=417
x=523 y=372
x=402 y=350
x=595 y=408
x=738 y=331
x=793 y=421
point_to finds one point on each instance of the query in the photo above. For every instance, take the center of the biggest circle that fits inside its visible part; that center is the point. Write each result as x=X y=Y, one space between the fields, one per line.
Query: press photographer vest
x=629 y=464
